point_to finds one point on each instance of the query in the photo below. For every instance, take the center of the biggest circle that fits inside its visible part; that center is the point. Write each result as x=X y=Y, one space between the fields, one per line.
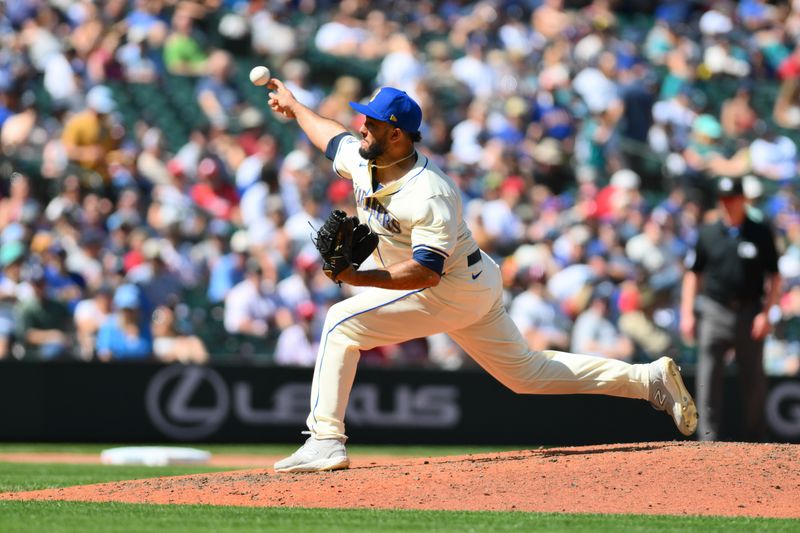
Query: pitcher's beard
x=372 y=151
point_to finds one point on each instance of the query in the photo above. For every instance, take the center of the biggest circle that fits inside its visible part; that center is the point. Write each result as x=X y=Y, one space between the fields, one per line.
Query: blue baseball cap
x=393 y=106
x=126 y=297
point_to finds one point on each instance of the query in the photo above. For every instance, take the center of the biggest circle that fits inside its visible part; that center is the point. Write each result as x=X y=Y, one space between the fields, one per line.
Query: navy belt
x=473 y=258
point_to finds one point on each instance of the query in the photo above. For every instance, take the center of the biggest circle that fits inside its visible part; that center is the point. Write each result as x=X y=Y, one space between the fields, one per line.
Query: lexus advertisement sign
x=173 y=404
x=153 y=403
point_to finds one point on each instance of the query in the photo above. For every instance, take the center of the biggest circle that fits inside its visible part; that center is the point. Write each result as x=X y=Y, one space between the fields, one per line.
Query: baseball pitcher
x=432 y=278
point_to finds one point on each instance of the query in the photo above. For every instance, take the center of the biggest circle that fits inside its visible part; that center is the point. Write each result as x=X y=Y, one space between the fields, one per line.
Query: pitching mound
x=650 y=478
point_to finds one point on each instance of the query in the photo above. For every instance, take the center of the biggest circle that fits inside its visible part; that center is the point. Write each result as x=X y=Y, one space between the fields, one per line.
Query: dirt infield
x=674 y=478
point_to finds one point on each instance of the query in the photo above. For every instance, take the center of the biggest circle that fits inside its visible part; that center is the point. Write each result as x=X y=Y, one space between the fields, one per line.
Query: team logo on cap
x=393 y=118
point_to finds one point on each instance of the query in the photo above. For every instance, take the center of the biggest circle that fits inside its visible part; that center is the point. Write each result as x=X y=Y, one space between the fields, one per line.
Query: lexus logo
x=170 y=405
x=192 y=403
x=783 y=410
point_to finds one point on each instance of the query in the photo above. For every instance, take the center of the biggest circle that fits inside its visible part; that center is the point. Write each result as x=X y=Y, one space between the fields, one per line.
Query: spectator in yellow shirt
x=87 y=135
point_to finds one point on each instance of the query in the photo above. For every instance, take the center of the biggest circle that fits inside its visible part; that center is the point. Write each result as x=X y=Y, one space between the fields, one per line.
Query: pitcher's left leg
x=497 y=345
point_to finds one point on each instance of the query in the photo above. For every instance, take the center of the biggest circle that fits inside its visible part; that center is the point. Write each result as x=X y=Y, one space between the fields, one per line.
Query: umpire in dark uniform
x=732 y=282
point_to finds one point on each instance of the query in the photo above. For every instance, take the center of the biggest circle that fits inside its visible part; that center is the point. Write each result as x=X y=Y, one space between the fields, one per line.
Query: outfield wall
x=80 y=402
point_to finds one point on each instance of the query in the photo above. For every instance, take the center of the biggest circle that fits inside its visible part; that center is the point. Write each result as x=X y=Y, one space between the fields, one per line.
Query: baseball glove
x=342 y=241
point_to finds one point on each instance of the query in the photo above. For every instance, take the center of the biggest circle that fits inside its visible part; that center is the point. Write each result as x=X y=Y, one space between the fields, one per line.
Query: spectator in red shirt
x=213 y=194
x=790 y=67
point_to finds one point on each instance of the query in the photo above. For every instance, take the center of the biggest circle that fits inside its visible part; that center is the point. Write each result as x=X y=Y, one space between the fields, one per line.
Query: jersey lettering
x=378 y=211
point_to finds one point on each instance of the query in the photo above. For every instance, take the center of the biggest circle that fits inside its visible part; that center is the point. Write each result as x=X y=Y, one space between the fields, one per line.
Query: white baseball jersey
x=419 y=216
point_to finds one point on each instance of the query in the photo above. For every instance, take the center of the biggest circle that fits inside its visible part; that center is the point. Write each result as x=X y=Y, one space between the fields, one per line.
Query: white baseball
x=260 y=75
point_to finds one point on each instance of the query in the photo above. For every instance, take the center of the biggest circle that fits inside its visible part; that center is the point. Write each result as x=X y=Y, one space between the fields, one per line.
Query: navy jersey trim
x=432 y=248
x=429 y=259
x=333 y=145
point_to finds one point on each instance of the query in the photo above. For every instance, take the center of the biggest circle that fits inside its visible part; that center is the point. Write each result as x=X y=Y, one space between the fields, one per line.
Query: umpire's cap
x=393 y=106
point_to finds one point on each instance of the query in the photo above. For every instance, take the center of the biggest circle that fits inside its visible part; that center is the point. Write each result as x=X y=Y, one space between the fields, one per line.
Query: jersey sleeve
x=434 y=234
x=770 y=251
x=343 y=150
x=696 y=257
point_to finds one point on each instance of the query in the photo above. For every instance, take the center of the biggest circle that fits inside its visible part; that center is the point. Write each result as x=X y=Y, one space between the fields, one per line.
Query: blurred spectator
x=187 y=159
x=500 y=221
x=770 y=156
x=19 y=203
x=614 y=200
x=213 y=194
x=43 y=324
x=251 y=305
x=171 y=346
x=217 y=94
x=344 y=34
x=400 y=68
x=773 y=156
x=573 y=130
x=229 y=269
x=469 y=134
x=297 y=225
x=23 y=128
x=473 y=71
x=90 y=314
x=595 y=334
x=296 y=289
x=183 y=53
x=67 y=201
x=125 y=335
x=650 y=340
x=87 y=135
x=60 y=79
x=336 y=105
x=538 y=319
x=295 y=77
x=152 y=161
x=738 y=116
x=159 y=284
x=549 y=19
x=672 y=122
x=295 y=176
x=13 y=289
x=258 y=168
x=134 y=57
x=102 y=65
x=298 y=343
x=648 y=248
x=270 y=36
x=597 y=87
x=62 y=285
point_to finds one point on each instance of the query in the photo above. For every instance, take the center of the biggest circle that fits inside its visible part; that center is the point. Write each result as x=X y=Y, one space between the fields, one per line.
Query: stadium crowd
x=153 y=207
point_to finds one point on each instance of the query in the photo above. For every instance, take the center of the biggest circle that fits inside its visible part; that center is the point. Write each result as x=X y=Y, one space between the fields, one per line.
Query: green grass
x=33 y=476
x=267 y=449
x=80 y=517
x=16 y=477
x=56 y=517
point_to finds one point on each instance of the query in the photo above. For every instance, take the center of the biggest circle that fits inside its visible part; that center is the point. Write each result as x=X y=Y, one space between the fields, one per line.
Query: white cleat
x=668 y=393
x=316 y=455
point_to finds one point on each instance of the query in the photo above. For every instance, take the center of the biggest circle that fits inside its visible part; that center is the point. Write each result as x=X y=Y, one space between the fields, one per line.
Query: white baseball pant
x=470 y=310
